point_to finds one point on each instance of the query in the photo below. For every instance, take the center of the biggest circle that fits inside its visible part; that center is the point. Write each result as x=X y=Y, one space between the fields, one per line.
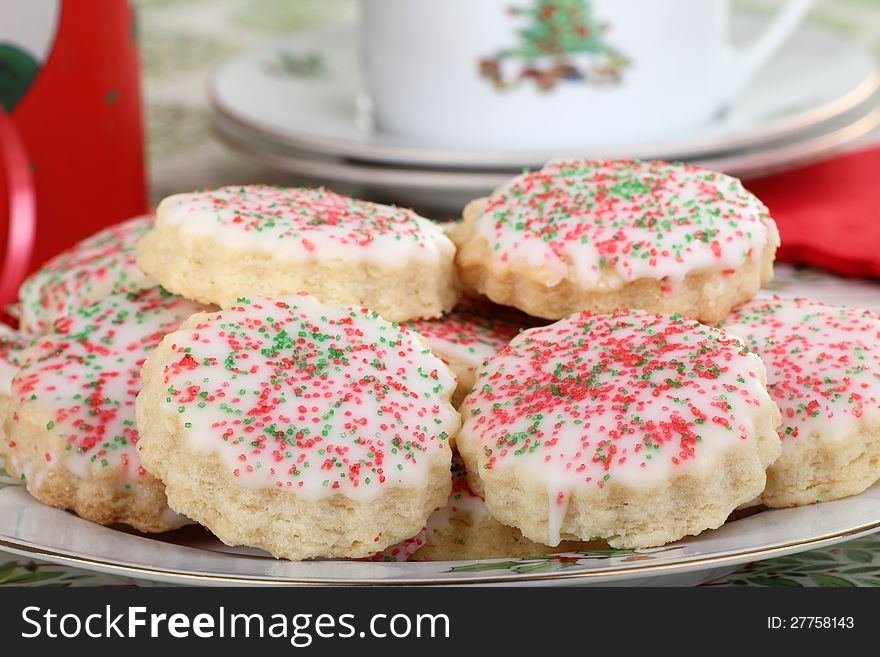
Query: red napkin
x=828 y=213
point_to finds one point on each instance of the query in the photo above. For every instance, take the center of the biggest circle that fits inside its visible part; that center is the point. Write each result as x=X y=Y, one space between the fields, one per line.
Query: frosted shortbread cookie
x=465 y=530
x=237 y=241
x=304 y=429
x=12 y=348
x=72 y=432
x=600 y=236
x=463 y=339
x=635 y=428
x=85 y=274
x=823 y=370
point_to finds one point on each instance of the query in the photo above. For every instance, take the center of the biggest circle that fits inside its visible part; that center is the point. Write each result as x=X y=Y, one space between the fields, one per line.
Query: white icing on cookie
x=85 y=274
x=823 y=363
x=86 y=372
x=300 y=224
x=317 y=399
x=604 y=224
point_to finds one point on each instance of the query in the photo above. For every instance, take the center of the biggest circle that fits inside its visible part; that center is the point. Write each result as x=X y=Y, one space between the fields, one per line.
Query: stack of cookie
x=319 y=376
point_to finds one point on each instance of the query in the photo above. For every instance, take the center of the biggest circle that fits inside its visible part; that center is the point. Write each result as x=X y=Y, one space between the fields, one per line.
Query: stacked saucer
x=297 y=104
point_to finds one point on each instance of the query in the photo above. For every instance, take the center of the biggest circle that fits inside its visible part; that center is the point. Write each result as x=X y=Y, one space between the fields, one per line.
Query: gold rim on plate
x=700 y=563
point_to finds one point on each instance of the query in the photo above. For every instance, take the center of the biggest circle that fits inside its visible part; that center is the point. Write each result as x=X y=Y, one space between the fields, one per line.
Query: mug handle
x=744 y=63
x=21 y=218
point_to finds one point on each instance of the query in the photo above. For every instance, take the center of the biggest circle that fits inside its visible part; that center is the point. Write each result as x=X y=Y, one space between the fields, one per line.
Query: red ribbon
x=22 y=217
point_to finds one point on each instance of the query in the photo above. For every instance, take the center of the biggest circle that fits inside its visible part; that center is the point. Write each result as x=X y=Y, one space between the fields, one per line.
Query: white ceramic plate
x=193 y=556
x=450 y=189
x=302 y=92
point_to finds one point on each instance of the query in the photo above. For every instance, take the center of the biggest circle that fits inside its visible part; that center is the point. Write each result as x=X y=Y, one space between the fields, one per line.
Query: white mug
x=529 y=74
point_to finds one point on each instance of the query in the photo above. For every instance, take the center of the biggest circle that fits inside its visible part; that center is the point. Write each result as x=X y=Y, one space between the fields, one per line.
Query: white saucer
x=817 y=77
x=449 y=190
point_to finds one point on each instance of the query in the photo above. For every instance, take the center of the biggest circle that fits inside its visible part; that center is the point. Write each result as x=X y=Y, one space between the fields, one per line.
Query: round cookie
x=304 y=429
x=465 y=530
x=12 y=348
x=238 y=241
x=634 y=428
x=85 y=274
x=72 y=434
x=601 y=236
x=823 y=371
x=463 y=339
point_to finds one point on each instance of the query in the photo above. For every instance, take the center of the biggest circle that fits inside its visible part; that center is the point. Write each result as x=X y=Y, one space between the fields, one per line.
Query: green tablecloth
x=182 y=39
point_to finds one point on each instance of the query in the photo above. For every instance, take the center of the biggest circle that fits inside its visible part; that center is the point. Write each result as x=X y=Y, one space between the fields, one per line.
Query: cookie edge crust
x=188 y=267
x=815 y=470
x=100 y=498
x=707 y=295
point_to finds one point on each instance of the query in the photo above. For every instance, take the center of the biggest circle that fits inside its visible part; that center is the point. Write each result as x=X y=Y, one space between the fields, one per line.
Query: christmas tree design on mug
x=562 y=42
